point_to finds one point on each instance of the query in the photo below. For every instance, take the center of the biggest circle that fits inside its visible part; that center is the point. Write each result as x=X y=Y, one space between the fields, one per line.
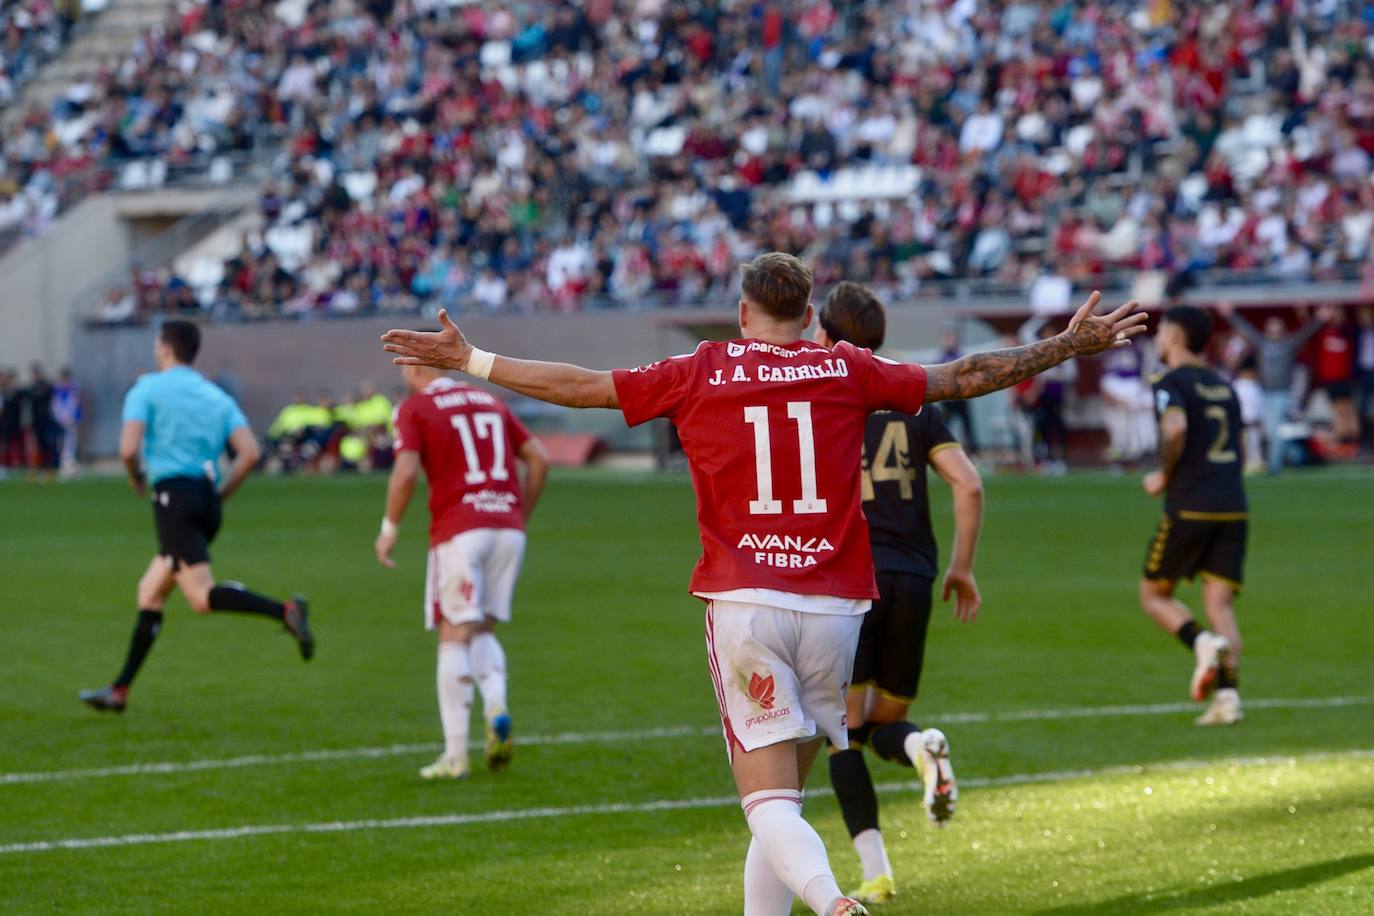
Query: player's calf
x=114 y=698
x=794 y=850
x=453 y=682
x=859 y=806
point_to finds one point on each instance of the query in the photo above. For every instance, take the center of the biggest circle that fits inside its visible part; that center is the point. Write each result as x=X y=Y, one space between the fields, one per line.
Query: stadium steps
x=104 y=44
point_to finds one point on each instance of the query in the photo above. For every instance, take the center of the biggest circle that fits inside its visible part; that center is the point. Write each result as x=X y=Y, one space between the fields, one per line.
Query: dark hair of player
x=778 y=283
x=852 y=313
x=184 y=339
x=1195 y=324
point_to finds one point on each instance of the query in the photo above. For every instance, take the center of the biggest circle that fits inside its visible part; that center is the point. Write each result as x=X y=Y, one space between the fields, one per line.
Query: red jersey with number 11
x=774 y=437
x=467 y=441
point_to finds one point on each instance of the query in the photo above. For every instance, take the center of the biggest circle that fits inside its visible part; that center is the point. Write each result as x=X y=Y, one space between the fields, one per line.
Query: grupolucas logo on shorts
x=761 y=690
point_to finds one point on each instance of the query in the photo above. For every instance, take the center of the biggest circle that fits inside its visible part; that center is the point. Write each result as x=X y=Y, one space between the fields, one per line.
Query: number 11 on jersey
x=809 y=504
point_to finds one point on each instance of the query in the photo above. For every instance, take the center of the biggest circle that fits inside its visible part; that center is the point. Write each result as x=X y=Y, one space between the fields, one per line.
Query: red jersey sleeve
x=655 y=390
x=887 y=384
x=407 y=438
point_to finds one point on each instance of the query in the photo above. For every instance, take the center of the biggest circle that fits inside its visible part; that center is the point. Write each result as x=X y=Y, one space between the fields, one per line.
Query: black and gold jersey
x=1207 y=481
x=896 y=502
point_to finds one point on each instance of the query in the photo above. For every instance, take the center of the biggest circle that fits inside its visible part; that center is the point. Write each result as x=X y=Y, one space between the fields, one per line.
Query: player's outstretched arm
x=982 y=373
x=556 y=383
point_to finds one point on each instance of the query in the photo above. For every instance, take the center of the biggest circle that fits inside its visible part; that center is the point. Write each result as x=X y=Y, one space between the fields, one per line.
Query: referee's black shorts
x=892 y=640
x=186 y=512
x=1187 y=544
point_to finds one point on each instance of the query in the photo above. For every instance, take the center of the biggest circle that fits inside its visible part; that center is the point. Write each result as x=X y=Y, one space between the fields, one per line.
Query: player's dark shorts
x=186 y=511
x=1187 y=544
x=1342 y=390
x=892 y=641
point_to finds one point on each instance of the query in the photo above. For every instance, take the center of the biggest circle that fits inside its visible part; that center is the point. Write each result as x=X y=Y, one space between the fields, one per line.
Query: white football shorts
x=472 y=576
x=780 y=674
x=1129 y=392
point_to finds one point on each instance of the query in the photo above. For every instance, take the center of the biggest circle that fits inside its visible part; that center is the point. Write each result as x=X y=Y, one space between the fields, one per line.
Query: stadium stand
x=34 y=32
x=560 y=157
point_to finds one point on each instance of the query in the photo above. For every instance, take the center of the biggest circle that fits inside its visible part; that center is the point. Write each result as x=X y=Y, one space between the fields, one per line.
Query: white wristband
x=480 y=363
x=389 y=528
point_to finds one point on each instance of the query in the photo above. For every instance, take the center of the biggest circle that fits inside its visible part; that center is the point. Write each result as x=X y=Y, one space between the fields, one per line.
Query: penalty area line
x=660 y=805
x=645 y=734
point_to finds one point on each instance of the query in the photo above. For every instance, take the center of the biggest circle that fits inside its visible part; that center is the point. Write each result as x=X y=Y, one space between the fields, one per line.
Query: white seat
x=221 y=170
x=134 y=175
x=1192 y=189
x=359 y=185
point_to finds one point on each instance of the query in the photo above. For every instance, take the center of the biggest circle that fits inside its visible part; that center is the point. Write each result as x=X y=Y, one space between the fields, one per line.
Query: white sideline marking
x=678 y=804
x=646 y=734
x=343 y=753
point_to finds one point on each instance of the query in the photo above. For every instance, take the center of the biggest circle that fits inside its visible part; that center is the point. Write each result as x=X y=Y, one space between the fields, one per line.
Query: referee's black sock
x=889 y=739
x=1188 y=633
x=145 y=633
x=233 y=596
x=854 y=790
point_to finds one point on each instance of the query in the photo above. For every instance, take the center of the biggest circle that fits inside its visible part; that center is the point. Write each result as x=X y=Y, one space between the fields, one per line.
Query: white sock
x=872 y=853
x=791 y=846
x=489 y=668
x=455 y=697
x=764 y=893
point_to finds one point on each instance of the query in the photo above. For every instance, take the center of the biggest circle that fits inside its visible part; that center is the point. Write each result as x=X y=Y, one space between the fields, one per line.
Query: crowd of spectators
x=1304 y=379
x=32 y=32
x=39 y=421
x=496 y=156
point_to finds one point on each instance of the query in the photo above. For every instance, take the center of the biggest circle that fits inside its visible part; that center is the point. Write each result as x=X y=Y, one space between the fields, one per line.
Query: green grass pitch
x=292 y=787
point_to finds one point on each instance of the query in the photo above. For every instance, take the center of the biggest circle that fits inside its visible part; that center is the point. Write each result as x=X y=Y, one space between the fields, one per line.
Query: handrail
x=1247 y=288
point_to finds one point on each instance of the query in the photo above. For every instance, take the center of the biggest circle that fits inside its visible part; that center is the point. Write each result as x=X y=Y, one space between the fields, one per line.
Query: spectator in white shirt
x=982 y=130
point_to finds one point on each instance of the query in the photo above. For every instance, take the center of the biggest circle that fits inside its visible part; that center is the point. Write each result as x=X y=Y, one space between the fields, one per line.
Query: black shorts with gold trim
x=892 y=640
x=1187 y=544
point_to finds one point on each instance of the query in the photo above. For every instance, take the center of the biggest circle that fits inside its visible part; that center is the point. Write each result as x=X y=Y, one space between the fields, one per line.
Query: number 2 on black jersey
x=1219 y=453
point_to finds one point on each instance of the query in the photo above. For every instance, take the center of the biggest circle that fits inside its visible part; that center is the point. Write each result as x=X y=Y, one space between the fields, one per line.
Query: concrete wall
x=263 y=364
x=46 y=281
x=41 y=277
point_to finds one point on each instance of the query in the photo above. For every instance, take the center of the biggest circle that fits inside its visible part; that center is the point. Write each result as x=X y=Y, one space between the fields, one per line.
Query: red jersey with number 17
x=467 y=441
x=774 y=438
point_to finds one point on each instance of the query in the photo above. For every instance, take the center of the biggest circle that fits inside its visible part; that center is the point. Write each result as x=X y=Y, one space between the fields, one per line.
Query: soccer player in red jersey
x=468 y=443
x=773 y=428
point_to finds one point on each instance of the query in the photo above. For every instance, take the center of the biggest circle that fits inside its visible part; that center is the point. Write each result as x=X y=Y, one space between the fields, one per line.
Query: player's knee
x=885 y=711
x=1152 y=590
x=199 y=601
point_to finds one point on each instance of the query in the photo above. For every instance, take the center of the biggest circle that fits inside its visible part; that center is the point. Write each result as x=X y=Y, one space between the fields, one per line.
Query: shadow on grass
x=1223 y=893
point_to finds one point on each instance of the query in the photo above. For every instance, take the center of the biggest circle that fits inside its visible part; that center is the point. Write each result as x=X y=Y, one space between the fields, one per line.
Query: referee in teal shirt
x=176 y=426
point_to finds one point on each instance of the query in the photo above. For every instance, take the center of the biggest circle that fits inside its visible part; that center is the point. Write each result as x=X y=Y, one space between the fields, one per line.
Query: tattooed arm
x=982 y=373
